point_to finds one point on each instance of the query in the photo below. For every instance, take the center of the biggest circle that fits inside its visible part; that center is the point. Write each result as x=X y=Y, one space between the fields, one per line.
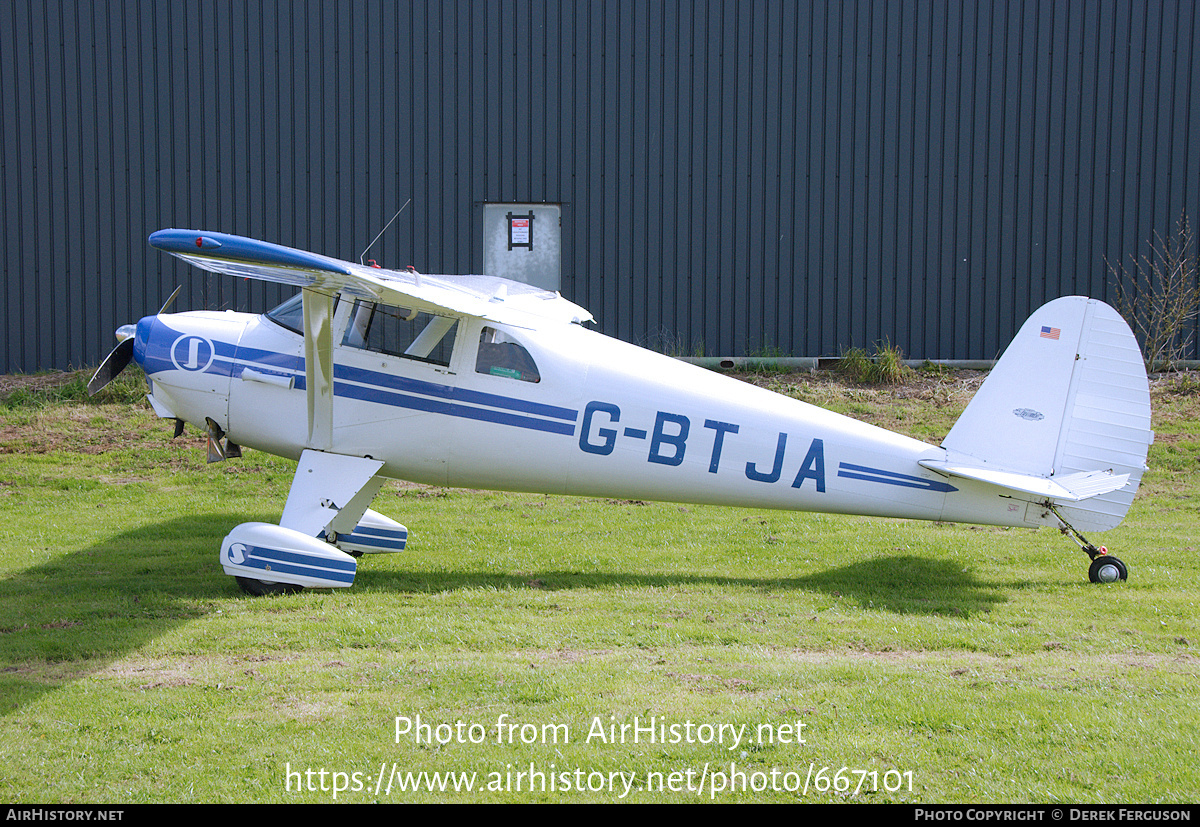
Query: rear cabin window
x=500 y=355
x=401 y=331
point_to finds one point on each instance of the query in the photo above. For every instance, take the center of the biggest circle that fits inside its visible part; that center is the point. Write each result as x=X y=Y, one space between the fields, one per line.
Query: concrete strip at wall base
x=794 y=363
x=815 y=362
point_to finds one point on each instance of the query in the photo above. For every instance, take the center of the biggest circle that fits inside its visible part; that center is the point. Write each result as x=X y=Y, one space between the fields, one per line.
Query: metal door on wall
x=523 y=242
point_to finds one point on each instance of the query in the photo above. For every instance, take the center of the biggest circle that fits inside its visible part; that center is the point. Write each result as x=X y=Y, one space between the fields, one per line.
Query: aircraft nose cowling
x=141 y=338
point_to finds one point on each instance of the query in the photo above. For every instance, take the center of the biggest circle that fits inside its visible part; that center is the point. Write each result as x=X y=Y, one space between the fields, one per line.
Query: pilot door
x=395 y=375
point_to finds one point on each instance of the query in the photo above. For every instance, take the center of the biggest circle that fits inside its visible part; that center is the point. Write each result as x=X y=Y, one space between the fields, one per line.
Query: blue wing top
x=270 y=261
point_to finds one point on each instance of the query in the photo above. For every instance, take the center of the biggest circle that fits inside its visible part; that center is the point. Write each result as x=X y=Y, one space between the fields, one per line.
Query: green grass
x=978 y=660
x=886 y=367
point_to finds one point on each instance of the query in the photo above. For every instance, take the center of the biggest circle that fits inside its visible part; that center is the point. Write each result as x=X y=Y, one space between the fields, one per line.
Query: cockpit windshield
x=290 y=314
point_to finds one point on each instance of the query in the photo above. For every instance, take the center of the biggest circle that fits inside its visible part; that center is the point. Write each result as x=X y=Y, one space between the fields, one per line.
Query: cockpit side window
x=401 y=331
x=500 y=355
x=290 y=314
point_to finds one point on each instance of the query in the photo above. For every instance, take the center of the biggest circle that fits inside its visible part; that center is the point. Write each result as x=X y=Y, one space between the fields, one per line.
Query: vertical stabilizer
x=1069 y=397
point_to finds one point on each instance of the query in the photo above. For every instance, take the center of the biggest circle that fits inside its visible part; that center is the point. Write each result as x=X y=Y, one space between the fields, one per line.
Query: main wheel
x=1107 y=569
x=260 y=588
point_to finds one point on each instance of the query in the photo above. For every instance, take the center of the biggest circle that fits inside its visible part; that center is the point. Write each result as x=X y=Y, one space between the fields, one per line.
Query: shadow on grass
x=82 y=610
x=79 y=612
x=905 y=584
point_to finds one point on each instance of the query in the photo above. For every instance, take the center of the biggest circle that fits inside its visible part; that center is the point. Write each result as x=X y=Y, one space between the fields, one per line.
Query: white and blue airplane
x=480 y=382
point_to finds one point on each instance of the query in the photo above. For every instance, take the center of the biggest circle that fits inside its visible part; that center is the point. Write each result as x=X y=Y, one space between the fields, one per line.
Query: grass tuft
x=855 y=365
x=889 y=364
x=885 y=367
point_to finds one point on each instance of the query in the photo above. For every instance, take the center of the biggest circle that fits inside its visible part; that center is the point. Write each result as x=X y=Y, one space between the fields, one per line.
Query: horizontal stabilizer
x=1071 y=488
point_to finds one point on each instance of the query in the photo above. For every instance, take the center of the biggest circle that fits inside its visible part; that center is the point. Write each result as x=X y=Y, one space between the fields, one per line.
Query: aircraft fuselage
x=578 y=413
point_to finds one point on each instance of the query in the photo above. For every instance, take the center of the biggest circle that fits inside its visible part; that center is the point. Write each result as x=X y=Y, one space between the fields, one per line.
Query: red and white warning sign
x=520 y=231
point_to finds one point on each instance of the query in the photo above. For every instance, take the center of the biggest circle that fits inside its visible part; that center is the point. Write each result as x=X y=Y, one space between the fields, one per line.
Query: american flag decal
x=1049 y=332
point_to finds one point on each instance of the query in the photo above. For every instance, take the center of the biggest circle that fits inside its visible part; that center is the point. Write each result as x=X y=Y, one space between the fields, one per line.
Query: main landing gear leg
x=1105 y=568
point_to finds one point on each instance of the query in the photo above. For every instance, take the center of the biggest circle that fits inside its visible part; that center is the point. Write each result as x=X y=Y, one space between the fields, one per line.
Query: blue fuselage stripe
x=440 y=406
x=391 y=382
x=374 y=386
x=862 y=472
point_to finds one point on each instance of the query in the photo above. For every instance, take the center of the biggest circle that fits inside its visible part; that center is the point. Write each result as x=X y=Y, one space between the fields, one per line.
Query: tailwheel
x=1106 y=569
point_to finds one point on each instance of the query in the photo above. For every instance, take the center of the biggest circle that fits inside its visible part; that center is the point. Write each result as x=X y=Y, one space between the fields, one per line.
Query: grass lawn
x=532 y=648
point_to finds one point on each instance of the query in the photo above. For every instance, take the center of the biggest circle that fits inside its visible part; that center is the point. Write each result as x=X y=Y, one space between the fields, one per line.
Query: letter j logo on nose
x=192 y=353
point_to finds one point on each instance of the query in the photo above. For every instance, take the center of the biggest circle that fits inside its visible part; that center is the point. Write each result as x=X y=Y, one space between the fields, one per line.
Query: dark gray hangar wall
x=735 y=176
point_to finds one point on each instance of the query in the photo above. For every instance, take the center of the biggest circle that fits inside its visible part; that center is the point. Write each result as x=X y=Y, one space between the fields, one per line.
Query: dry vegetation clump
x=38 y=382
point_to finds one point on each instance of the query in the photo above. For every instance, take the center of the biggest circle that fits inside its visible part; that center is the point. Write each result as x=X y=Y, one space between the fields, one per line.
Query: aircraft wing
x=487 y=297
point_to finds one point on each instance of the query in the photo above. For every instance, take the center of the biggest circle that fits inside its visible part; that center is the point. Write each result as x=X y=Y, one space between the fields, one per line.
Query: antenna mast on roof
x=381 y=232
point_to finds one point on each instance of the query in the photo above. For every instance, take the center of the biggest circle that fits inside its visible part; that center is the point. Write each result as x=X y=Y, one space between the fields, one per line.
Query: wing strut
x=318 y=367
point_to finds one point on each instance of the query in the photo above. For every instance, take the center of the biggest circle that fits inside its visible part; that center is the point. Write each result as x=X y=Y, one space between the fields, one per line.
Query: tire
x=1107 y=569
x=261 y=588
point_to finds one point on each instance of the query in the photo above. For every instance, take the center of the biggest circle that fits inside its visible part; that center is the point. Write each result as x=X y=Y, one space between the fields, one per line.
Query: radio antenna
x=381 y=232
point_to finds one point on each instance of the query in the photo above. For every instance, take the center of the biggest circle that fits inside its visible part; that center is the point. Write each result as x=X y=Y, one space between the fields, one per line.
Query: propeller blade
x=113 y=364
x=171 y=299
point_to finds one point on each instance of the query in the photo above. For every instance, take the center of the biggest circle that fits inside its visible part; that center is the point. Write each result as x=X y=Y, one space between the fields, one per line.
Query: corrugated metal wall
x=736 y=176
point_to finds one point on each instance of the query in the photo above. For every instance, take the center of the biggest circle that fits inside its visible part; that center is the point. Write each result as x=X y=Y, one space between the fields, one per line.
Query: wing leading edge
x=488 y=297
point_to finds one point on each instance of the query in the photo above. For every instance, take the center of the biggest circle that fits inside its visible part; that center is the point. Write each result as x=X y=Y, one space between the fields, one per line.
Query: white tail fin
x=1064 y=415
